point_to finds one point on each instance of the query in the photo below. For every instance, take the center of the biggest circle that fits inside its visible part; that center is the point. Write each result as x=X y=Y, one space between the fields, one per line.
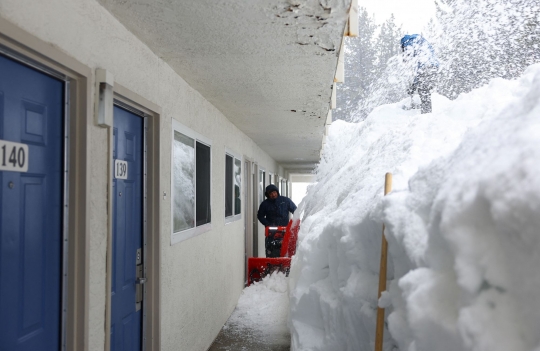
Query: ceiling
x=268 y=66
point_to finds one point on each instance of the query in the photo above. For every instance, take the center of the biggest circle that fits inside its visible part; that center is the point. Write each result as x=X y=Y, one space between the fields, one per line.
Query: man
x=419 y=53
x=274 y=211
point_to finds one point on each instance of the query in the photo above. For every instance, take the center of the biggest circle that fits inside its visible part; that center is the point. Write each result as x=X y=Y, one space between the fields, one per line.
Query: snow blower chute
x=259 y=267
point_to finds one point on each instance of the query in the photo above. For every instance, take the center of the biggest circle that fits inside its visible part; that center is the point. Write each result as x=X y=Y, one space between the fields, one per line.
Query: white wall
x=201 y=277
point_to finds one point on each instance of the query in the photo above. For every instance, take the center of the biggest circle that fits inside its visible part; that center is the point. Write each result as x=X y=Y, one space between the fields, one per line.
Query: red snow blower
x=260 y=267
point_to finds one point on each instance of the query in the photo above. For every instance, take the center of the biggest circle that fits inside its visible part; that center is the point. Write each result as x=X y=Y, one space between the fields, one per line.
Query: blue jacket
x=275 y=212
x=416 y=47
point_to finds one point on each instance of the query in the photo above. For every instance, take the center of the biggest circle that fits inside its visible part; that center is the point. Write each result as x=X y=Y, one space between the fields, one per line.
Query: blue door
x=31 y=193
x=126 y=316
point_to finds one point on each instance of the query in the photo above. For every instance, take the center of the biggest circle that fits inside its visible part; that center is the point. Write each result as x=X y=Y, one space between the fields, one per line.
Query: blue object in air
x=422 y=50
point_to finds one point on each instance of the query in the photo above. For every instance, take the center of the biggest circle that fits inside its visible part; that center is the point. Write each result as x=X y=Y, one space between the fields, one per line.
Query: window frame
x=265 y=184
x=196 y=230
x=285 y=187
x=235 y=156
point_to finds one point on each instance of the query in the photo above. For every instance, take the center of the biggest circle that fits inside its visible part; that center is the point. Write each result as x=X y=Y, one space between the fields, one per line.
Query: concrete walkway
x=259 y=321
x=233 y=338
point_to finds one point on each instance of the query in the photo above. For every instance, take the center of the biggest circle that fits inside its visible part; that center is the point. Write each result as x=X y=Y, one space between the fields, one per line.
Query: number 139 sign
x=120 y=169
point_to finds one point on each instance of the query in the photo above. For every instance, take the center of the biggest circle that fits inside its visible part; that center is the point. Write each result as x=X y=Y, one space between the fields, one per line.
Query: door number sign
x=120 y=169
x=13 y=156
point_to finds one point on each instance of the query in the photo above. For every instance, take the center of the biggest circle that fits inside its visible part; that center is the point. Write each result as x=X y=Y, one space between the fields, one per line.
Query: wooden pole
x=382 y=274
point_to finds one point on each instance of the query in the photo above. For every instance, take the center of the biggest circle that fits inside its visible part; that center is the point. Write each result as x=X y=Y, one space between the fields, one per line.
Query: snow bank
x=463 y=227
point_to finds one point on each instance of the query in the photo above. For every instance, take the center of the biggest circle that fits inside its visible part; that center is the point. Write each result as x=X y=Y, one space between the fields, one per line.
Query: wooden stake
x=382 y=275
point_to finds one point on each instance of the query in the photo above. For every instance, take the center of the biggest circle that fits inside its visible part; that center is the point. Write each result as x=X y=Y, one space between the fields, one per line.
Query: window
x=191 y=184
x=262 y=184
x=284 y=188
x=233 y=187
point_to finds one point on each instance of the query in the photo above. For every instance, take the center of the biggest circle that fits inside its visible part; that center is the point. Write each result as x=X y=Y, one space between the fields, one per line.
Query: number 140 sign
x=13 y=156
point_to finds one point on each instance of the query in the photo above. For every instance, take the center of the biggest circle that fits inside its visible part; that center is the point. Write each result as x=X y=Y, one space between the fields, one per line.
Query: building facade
x=128 y=198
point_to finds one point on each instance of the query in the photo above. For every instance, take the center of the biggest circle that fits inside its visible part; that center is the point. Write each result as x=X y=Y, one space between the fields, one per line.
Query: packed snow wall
x=462 y=222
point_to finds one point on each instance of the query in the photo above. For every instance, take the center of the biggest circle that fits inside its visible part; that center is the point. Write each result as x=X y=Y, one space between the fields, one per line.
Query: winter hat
x=410 y=39
x=271 y=188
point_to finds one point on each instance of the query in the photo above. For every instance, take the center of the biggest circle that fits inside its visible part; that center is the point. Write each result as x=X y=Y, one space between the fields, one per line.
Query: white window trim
x=265 y=184
x=192 y=232
x=237 y=156
x=283 y=183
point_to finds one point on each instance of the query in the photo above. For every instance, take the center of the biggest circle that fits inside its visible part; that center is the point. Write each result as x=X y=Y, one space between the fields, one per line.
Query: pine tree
x=360 y=56
x=387 y=43
x=482 y=39
x=389 y=81
x=366 y=59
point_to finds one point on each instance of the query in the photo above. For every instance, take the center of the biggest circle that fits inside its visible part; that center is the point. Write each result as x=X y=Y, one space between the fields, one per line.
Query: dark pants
x=424 y=83
x=425 y=100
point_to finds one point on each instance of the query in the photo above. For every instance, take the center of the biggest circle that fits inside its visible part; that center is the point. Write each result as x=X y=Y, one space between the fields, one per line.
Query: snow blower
x=260 y=267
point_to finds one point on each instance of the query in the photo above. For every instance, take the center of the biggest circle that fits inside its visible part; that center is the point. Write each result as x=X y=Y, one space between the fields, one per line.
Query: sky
x=413 y=14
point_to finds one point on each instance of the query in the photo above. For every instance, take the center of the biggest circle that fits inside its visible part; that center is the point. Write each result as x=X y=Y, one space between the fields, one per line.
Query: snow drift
x=463 y=225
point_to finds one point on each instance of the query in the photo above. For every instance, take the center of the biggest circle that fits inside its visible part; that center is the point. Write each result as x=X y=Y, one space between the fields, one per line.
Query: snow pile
x=262 y=311
x=463 y=227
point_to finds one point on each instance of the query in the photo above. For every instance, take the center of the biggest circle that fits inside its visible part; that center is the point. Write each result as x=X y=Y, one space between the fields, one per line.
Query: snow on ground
x=262 y=312
x=463 y=225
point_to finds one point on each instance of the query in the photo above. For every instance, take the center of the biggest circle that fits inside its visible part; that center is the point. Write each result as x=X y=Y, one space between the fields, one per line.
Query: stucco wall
x=201 y=277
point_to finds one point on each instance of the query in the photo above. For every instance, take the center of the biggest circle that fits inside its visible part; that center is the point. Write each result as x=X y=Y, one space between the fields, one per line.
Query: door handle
x=139 y=281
